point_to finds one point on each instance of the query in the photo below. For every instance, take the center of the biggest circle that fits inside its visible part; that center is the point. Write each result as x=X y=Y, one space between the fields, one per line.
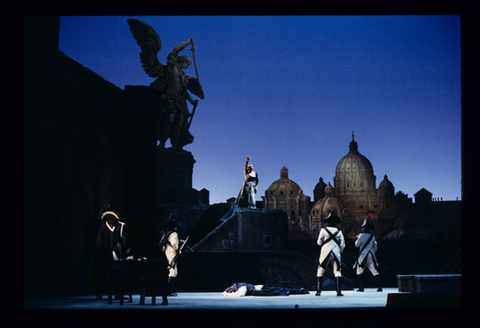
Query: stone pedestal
x=248 y=230
x=174 y=172
x=426 y=283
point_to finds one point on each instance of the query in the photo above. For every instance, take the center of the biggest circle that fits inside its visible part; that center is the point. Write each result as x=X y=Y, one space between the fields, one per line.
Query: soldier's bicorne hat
x=367 y=225
x=332 y=219
x=172 y=223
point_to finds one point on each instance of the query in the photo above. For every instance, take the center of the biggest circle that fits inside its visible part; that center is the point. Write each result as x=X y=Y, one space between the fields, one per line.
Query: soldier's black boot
x=377 y=280
x=339 y=290
x=319 y=286
x=360 y=284
x=164 y=300
x=171 y=285
x=164 y=286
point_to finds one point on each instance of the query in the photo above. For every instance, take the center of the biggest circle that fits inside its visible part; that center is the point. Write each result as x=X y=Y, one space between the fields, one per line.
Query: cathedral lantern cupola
x=329 y=191
x=353 y=145
x=319 y=191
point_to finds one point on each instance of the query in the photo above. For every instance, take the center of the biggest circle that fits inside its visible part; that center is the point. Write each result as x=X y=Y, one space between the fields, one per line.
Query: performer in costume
x=240 y=289
x=247 y=196
x=171 y=252
x=332 y=244
x=112 y=244
x=367 y=259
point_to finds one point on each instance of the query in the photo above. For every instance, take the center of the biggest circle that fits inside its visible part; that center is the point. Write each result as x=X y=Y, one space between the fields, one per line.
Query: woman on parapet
x=249 y=189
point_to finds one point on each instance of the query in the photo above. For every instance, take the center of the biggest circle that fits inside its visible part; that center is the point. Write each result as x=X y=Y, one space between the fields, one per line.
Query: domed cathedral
x=353 y=194
x=355 y=186
x=287 y=195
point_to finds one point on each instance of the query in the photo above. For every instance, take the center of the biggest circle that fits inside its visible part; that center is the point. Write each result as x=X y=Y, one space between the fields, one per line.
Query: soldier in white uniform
x=332 y=245
x=171 y=252
x=367 y=259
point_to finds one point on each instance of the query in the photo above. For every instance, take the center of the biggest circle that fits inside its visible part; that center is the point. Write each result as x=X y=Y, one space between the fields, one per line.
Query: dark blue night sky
x=289 y=91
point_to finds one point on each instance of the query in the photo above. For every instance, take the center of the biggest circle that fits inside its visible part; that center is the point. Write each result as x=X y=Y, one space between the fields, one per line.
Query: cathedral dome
x=354 y=162
x=386 y=185
x=324 y=206
x=386 y=188
x=354 y=172
x=284 y=186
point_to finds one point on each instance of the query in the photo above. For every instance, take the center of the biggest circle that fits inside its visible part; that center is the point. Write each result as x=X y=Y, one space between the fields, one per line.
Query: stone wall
x=249 y=230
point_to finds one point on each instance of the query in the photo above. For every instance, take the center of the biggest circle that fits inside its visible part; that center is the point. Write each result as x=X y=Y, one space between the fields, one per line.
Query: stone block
x=430 y=283
x=406 y=283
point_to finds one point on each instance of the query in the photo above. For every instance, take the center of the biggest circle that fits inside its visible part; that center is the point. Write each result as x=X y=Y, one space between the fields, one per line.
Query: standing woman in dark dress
x=250 y=185
x=246 y=196
x=112 y=244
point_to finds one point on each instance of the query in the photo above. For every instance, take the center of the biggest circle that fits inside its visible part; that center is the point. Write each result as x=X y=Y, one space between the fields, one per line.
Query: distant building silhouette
x=353 y=194
x=287 y=195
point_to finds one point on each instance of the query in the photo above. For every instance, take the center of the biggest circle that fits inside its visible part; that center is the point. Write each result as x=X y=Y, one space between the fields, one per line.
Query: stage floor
x=216 y=301
x=197 y=309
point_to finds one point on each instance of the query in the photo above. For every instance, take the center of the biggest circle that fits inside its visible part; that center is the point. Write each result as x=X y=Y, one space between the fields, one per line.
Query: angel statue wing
x=150 y=43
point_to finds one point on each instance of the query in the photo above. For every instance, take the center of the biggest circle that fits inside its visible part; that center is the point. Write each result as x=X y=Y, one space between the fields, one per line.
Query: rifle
x=308 y=227
x=174 y=260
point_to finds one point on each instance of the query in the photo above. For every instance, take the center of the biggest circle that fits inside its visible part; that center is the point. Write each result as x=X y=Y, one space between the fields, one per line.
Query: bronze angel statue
x=174 y=85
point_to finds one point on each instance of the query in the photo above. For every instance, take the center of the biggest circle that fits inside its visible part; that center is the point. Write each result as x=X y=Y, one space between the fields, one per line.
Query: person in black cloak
x=112 y=244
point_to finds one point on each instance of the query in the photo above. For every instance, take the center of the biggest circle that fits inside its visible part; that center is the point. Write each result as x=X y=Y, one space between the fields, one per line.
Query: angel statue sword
x=194 y=60
x=198 y=79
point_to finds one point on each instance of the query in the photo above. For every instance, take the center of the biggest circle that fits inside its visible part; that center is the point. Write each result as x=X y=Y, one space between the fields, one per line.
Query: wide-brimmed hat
x=332 y=218
x=108 y=215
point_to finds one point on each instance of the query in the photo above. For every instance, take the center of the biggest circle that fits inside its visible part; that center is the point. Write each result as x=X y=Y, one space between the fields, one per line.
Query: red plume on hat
x=367 y=225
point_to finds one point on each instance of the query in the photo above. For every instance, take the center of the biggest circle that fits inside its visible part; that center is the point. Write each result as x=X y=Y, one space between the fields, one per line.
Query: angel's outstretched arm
x=180 y=47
